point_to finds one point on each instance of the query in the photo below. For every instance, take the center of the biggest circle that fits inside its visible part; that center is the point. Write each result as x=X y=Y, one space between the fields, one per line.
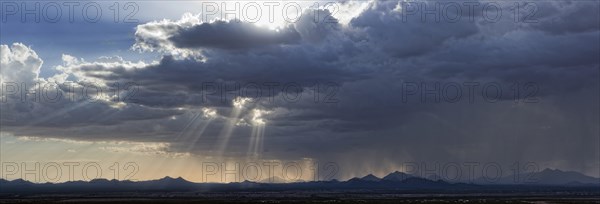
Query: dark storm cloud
x=232 y=35
x=568 y=17
x=324 y=55
x=190 y=33
x=288 y=65
x=173 y=82
x=372 y=57
x=403 y=35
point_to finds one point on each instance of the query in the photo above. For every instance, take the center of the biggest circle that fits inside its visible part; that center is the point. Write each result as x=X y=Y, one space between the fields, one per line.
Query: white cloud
x=20 y=64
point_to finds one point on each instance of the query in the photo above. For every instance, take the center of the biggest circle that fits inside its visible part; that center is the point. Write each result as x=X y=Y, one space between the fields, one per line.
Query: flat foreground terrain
x=302 y=197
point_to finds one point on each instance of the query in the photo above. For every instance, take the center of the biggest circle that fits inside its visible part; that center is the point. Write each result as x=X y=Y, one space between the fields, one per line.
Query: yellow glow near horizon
x=135 y=161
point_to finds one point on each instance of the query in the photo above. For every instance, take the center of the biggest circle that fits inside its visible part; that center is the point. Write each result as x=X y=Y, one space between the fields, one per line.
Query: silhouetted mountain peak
x=274 y=179
x=168 y=178
x=247 y=182
x=20 y=181
x=556 y=176
x=549 y=170
x=370 y=177
x=547 y=176
x=99 y=180
x=397 y=176
x=172 y=181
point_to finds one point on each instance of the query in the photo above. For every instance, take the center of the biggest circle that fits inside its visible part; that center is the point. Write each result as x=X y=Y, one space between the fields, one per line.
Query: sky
x=310 y=90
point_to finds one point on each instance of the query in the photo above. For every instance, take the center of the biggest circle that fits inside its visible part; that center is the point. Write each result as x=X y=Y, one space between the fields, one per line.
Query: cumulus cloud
x=20 y=64
x=318 y=28
x=189 y=33
x=56 y=106
x=388 y=26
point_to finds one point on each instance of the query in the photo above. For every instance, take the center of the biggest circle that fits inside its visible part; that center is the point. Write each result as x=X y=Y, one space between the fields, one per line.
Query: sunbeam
x=238 y=106
x=255 y=146
x=58 y=113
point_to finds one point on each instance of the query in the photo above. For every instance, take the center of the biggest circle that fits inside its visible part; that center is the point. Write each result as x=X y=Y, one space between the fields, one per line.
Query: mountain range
x=396 y=181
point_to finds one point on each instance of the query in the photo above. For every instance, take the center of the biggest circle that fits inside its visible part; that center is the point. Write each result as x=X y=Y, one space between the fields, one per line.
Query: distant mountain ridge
x=393 y=181
x=545 y=177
